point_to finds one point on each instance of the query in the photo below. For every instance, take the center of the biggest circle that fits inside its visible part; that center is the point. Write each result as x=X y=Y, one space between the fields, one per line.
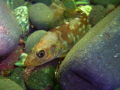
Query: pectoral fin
x=23 y=57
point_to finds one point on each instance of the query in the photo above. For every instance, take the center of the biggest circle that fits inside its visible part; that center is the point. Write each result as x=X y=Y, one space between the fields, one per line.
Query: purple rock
x=9 y=30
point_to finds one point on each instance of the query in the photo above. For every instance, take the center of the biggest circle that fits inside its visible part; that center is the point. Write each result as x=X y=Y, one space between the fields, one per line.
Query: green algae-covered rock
x=21 y=14
x=33 y=39
x=105 y=2
x=94 y=62
x=17 y=77
x=97 y=13
x=9 y=30
x=7 y=84
x=41 y=17
x=69 y=4
x=110 y=7
x=41 y=79
x=47 y=2
x=117 y=89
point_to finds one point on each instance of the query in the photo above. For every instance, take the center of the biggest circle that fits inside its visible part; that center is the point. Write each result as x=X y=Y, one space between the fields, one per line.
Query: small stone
x=17 y=76
x=47 y=2
x=104 y=2
x=110 y=7
x=97 y=13
x=7 y=84
x=41 y=16
x=41 y=78
x=22 y=17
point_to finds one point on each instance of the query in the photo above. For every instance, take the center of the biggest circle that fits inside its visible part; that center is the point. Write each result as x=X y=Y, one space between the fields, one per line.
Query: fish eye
x=40 y=54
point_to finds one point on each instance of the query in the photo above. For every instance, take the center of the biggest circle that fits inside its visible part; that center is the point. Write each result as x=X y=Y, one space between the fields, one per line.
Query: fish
x=58 y=41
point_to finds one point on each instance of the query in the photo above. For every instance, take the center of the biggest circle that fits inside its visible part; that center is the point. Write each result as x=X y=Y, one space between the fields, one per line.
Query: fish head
x=44 y=51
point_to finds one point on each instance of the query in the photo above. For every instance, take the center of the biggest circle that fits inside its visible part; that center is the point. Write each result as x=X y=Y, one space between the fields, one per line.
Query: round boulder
x=41 y=17
x=9 y=30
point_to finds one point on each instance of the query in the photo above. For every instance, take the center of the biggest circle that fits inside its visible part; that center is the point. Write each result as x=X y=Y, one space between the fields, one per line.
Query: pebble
x=41 y=16
x=104 y=2
x=97 y=13
x=21 y=14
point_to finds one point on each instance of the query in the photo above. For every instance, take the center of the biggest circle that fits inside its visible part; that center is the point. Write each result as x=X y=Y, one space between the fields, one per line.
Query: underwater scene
x=59 y=44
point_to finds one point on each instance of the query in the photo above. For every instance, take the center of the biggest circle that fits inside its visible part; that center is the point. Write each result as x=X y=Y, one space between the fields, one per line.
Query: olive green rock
x=117 y=89
x=47 y=2
x=41 y=16
x=17 y=76
x=105 y=2
x=7 y=84
x=97 y=13
x=41 y=79
x=94 y=62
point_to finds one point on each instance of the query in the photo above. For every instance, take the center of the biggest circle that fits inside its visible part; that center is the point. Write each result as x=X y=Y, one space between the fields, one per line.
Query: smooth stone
x=41 y=79
x=47 y=2
x=69 y=4
x=117 y=89
x=17 y=76
x=97 y=13
x=9 y=30
x=104 y=2
x=110 y=7
x=94 y=62
x=7 y=84
x=41 y=16
x=21 y=14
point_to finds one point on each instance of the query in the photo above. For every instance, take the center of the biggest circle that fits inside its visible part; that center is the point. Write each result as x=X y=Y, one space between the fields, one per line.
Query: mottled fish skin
x=58 y=41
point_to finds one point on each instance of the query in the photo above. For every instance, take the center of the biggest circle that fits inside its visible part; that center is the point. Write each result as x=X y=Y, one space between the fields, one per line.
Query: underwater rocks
x=33 y=39
x=7 y=84
x=7 y=64
x=41 y=17
x=21 y=14
x=97 y=13
x=110 y=7
x=47 y=2
x=105 y=2
x=17 y=76
x=94 y=62
x=69 y=4
x=41 y=79
x=9 y=30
